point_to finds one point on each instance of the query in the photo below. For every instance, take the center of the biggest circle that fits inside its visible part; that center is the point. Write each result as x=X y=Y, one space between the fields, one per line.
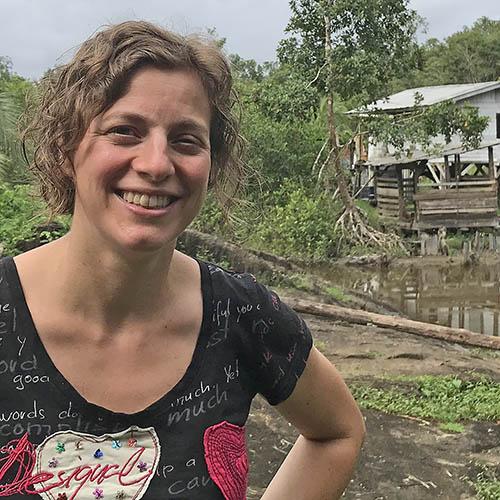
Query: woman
x=131 y=366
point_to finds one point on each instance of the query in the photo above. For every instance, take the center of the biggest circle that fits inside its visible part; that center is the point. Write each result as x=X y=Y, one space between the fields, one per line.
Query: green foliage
x=337 y=294
x=21 y=214
x=445 y=399
x=13 y=95
x=373 y=41
x=280 y=150
x=249 y=69
x=452 y=427
x=370 y=212
x=283 y=96
x=487 y=484
x=422 y=124
x=483 y=353
x=11 y=168
x=211 y=218
x=470 y=55
x=301 y=226
x=473 y=55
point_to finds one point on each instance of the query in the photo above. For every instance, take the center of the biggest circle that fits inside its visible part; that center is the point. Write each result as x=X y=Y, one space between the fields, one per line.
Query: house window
x=498 y=125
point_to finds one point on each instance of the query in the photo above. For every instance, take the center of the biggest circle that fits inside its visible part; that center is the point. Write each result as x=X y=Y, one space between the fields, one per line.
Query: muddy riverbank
x=402 y=458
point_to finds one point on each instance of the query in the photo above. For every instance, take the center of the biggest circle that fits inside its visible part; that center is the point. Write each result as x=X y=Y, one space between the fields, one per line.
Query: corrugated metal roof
x=431 y=95
x=447 y=150
x=457 y=150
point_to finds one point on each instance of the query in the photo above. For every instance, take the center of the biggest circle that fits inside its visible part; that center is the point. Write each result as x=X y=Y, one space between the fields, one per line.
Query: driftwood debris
x=457 y=335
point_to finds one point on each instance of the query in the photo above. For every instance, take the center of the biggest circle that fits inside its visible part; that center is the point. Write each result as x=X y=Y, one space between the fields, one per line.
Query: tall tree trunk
x=335 y=165
x=351 y=225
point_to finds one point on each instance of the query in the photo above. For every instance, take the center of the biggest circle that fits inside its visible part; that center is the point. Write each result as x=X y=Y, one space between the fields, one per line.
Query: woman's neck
x=110 y=289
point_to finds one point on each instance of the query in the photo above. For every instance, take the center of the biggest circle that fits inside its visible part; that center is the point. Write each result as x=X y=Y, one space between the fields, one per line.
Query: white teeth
x=145 y=200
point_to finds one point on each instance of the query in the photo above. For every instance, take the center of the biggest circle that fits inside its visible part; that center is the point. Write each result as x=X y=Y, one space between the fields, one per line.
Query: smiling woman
x=152 y=146
x=133 y=366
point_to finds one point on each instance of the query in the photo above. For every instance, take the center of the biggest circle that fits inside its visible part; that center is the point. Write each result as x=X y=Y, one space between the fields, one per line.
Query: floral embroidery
x=60 y=447
x=98 y=453
x=53 y=462
x=132 y=442
x=116 y=444
x=142 y=466
x=98 y=493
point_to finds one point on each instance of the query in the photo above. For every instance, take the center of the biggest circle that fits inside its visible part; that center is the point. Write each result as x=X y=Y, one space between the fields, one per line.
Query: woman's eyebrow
x=128 y=117
x=188 y=124
x=191 y=126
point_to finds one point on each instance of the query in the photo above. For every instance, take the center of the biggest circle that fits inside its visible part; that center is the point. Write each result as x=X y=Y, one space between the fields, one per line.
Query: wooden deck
x=455 y=205
x=418 y=196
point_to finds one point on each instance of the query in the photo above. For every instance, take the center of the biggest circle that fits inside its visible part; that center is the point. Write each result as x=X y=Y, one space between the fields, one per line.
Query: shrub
x=302 y=226
x=23 y=217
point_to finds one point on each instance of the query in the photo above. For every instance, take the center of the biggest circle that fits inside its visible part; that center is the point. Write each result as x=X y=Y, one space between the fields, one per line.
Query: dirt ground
x=402 y=458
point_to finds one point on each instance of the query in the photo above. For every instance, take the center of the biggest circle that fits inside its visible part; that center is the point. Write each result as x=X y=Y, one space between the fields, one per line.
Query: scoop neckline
x=68 y=392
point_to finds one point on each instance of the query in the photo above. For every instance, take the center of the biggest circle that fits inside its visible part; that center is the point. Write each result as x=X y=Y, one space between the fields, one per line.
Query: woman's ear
x=68 y=168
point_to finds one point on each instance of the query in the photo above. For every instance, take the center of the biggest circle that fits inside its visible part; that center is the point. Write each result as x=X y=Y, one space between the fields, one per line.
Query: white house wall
x=488 y=104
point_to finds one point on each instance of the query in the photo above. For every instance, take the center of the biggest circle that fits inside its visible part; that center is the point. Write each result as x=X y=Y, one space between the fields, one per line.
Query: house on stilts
x=452 y=187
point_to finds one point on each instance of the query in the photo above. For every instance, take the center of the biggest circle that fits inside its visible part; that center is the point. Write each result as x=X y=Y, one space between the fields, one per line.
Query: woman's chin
x=144 y=243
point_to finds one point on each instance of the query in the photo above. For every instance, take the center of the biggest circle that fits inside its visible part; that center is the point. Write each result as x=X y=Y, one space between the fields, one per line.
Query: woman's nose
x=154 y=160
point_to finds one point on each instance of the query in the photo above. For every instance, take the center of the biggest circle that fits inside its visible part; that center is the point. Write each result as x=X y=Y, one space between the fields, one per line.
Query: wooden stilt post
x=402 y=211
x=458 y=170
x=491 y=163
x=447 y=176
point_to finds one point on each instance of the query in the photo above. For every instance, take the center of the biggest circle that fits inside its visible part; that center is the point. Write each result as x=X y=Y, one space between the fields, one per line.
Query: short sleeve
x=276 y=342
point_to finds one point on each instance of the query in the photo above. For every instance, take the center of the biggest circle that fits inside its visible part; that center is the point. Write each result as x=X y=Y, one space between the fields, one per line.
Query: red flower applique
x=226 y=459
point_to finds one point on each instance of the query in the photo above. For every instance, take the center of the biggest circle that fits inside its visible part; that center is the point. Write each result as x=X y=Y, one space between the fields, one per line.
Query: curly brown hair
x=72 y=95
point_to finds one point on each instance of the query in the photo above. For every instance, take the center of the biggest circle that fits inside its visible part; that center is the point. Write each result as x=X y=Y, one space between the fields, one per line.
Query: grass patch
x=370 y=211
x=483 y=353
x=452 y=427
x=338 y=294
x=321 y=346
x=445 y=399
x=487 y=484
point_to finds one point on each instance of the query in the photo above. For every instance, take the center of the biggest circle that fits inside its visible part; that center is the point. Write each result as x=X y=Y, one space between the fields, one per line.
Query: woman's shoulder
x=239 y=286
x=248 y=301
x=273 y=341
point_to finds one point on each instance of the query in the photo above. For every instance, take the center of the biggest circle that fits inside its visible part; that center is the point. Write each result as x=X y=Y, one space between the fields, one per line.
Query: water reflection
x=453 y=295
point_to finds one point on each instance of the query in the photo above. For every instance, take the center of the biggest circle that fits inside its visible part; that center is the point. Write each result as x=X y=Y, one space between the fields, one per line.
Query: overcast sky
x=35 y=34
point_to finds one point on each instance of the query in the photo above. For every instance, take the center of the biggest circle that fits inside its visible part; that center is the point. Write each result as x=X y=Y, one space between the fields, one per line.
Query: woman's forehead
x=154 y=90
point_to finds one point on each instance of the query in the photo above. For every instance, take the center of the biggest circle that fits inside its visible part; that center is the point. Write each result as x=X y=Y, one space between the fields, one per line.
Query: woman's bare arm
x=321 y=462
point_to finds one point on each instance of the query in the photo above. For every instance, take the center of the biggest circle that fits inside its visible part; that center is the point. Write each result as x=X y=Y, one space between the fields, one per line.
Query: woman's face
x=141 y=170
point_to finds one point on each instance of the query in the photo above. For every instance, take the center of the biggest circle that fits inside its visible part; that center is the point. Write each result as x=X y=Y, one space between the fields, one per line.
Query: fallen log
x=457 y=335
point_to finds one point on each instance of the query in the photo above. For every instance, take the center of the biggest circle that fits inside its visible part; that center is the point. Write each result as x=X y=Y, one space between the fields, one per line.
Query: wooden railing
x=460 y=204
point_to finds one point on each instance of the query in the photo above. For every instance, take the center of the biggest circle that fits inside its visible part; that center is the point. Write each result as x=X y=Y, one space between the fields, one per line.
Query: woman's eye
x=188 y=140
x=123 y=130
x=189 y=144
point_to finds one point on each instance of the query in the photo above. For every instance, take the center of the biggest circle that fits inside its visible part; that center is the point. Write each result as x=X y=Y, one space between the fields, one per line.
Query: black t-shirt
x=190 y=444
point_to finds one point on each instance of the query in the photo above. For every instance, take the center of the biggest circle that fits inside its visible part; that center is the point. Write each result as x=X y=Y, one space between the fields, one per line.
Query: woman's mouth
x=145 y=200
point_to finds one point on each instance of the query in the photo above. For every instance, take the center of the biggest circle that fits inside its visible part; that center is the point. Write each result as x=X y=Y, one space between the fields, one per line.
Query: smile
x=145 y=200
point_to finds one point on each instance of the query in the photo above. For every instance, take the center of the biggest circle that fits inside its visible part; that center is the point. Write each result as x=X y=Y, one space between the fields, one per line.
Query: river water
x=451 y=295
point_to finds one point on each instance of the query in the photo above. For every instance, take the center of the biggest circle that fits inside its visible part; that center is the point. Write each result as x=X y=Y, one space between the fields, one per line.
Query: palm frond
x=12 y=167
